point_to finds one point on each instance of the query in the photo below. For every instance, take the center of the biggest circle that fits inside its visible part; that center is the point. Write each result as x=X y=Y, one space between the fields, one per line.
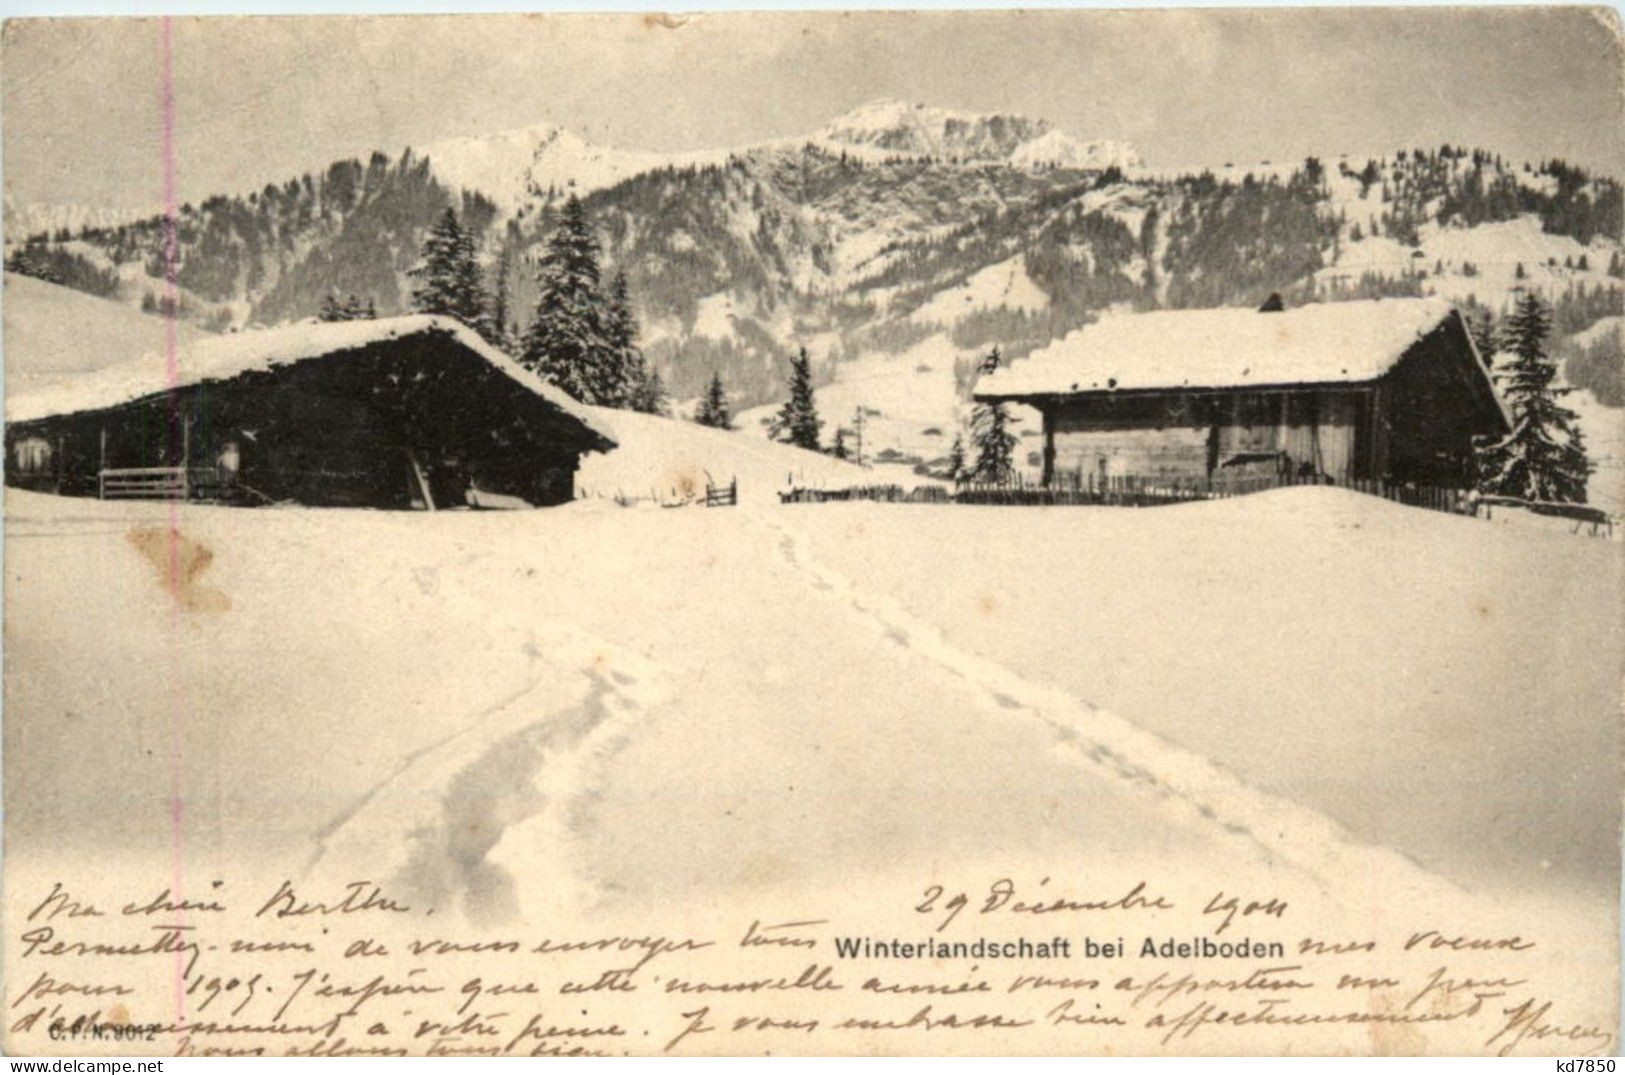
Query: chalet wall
x=1186 y=435
x=369 y=430
x=1432 y=406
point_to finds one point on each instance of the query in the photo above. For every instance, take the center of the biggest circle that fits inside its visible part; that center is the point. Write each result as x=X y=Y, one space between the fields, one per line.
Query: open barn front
x=414 y=415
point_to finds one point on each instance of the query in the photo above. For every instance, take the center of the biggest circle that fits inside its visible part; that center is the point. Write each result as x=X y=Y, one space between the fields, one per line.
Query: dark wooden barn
x=1391 y=390
x=395 y=413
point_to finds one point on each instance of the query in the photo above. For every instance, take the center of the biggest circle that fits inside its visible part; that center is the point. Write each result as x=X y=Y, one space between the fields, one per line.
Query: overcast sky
x=263 y=99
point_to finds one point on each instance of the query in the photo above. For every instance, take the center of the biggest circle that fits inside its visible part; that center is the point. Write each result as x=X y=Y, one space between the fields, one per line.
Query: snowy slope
x=1604 y=430
x=570 y=723
x=53 y=333
x=671 y=460
x=518 y=713
x=911 y=408
x=1003 y=283
x=1605 y=329
x=1495 y=251
x=1263 y=632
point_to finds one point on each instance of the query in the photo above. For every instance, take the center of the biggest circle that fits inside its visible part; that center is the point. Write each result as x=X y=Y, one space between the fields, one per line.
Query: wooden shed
x=395 y=413
x=1391 y=390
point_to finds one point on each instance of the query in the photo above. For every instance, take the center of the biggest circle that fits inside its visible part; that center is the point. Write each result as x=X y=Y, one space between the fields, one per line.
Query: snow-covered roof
x=1326 y=343
x=221 y=358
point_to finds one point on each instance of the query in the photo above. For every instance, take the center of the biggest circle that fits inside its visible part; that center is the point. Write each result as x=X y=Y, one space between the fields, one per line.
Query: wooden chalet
x=395 y=413
x=1391 y=390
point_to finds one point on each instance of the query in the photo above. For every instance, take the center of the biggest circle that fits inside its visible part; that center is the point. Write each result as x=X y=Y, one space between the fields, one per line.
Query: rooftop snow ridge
x=1325 y=343
x=221 y=358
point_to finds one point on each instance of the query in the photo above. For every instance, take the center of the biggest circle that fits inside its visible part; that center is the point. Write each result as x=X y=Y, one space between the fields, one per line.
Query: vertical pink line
x=166 y=110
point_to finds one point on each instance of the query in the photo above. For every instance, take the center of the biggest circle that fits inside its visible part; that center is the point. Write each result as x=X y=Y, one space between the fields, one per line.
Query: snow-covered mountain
x=513 y=167
x=903 y=128
x=25 y=219
x=517 y=166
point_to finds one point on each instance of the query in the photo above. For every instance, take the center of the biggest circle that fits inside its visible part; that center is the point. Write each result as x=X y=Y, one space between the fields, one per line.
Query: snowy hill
x=54 y=333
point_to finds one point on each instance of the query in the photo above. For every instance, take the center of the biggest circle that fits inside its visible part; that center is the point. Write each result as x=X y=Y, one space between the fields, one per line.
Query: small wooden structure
x=396 y=413
x=1391 y=390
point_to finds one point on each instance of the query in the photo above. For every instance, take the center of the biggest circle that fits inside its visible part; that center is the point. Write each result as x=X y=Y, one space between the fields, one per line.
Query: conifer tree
x=995 y=444
x=648 y=396
x=990 y=433
x=495 y=317
x=713 y=409
x=1543 y=458
x=797 y=421
x=956 y=458
x=838 y=449
x=621 y=332
x=566 y=342
x=448 y=274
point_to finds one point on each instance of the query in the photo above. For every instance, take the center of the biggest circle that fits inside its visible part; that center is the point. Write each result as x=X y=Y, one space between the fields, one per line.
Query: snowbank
x=670 y=460
x=1438 y=684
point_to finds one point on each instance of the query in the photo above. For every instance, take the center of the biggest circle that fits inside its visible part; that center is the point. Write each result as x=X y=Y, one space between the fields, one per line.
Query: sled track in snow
x=1287 y=832
x=531 y=759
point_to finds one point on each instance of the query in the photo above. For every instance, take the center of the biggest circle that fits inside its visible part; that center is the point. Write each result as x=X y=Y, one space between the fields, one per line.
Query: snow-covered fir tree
x=648 y=395
x=567 y=342
x=797 y=421
x=641 y=387
x=447 y=274
x=714 y=410
x=1543 y=458
x=496 y=320
x=995 y=444
x=956 y=458
x=990 y=435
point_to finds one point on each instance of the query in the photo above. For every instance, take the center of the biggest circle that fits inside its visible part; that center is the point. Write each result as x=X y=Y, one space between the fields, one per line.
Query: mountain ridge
x=890 y=224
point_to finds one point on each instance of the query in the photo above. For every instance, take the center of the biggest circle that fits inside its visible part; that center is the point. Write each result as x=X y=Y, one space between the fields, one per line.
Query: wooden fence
x=888 y=494
x=1127 y=490
x=173 y=483
x=722 y=496
x=145 y=483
